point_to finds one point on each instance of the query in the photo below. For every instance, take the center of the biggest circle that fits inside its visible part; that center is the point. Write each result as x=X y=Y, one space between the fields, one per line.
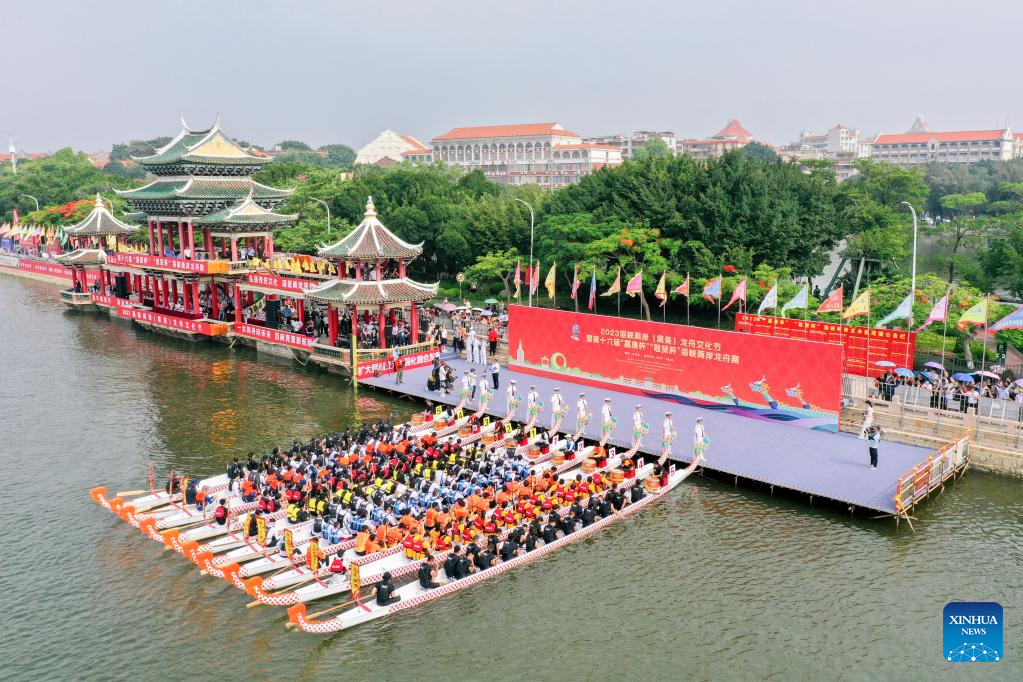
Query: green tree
x=339 y=155
x=651 y=149
x=137 y=148
x=760 y=152
x=294 y=145
x=493 y=265
x=963 y=225
x=634 y=249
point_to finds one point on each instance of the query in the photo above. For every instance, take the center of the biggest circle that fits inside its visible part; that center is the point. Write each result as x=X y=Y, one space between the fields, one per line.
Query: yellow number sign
x=460 y=413
x=486 y=421
x=440 y=408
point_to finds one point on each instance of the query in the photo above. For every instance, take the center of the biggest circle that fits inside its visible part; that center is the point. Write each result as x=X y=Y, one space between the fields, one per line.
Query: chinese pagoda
x=209 y=224
x=90 y=241
x=371 y=278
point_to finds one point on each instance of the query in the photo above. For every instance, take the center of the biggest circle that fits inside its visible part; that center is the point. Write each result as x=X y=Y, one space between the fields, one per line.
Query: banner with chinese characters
x=864 y=347
x=274 y=336
x=380 y=366
x=790 y=381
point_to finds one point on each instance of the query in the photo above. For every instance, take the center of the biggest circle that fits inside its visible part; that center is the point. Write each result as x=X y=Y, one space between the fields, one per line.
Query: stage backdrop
x=864 y=346
x=786 y=380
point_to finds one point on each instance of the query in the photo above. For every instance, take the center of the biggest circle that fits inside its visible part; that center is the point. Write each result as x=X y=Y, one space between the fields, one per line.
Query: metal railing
x=375 y=354
x=75 y=297
x=342 y=354
x=931 y=473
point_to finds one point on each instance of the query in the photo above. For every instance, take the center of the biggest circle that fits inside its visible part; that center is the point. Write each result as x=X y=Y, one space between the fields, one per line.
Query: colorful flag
x=712 y=289
x=518 y=279
x=1013 y=320
x=616 y=288
x=661 y=292
x=534 y=279
x=550 y=282
x=593 y=290
x=861 y=306
x=975 y=315
x=800 y=300
x=770 y=300
x=683 y=288
x=15 y=217
x=939 y=313
x=575 y=281
x=738 y=295
x=903 y=312
x=635 y=285
x=832 y=304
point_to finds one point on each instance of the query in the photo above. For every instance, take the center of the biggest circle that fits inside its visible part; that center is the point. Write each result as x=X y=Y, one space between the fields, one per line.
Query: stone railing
x=75 y=297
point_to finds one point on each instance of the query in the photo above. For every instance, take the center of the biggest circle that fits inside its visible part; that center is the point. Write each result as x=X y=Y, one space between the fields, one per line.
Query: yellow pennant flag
x=861 y=306
x=617 y=286
x=550 y=281
x=661 y=292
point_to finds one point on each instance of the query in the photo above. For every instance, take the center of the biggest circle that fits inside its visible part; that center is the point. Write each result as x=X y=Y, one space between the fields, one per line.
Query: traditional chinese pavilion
x=209 y=223
x=90 y=240
x=371 y=278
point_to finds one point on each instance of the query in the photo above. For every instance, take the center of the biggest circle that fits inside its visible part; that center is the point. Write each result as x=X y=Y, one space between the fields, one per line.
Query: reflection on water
x=714 y=582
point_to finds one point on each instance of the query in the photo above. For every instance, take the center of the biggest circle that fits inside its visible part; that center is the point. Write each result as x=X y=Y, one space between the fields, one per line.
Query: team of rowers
x=388 y=486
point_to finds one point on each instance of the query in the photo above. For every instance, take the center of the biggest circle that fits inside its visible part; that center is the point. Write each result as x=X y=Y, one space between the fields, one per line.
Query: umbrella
x=448 y=307
x=884 y=363
x=935 y=365
x=491 y=301
x=462 y=307
x=962 y=376
x=486 y=313
x=986 y=373
x=1019 y=382
x=903 y=372
x=927 y=375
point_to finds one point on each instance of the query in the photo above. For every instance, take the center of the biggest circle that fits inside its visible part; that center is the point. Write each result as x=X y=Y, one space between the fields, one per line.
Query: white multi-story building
x=627 y=143
x=544 y=154
x=833 y=142
x=921 y=145
x=389 y=145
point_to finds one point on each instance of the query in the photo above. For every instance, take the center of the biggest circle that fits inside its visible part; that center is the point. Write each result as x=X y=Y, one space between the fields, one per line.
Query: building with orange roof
x=392 y=146
x=544 y=154
x=921 y=146
x=732 y=136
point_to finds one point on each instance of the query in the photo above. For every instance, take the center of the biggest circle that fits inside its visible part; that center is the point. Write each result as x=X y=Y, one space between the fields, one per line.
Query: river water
x=713 y=583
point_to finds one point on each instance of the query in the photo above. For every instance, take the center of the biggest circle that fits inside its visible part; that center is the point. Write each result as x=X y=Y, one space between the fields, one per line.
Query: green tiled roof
x=100 y=223
x=246 y=213
x=370 y=240
x=205 y=188
x=210 y=146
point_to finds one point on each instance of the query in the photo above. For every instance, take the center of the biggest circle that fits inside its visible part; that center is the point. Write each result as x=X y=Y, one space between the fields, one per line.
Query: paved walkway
x=813 y=462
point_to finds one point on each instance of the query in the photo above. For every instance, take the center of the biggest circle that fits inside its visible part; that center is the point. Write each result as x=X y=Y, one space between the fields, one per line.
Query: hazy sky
x=88 y=74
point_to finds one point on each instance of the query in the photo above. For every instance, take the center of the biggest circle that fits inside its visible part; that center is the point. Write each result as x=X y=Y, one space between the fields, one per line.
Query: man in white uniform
x=512 y=393
x=532 y=400
x=606 y=418
x=557 y=406
x=668 y=429
x=582 y=410
x=637 y=419
x=470 y=350
x=699 y=437
x=481 y=351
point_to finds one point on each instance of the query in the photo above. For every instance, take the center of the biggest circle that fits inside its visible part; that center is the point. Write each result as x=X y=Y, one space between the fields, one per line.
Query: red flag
x=683 y=288
x=738 y=295
x=833 y=303
x=593 y=290
x=15 y=217
x=575 y=281
x=534 y=278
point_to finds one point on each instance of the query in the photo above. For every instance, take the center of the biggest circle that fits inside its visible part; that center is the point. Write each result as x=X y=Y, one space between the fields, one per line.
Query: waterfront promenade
x=830 y=465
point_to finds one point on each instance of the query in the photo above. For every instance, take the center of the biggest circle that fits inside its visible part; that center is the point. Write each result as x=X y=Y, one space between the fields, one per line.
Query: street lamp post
x=912 y=281
x=531 y=233
x=326 y=206
x=33 y=199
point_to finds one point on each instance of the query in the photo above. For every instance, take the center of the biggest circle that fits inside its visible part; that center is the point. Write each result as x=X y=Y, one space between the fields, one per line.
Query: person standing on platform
x=873 y=440
x=668 y=431
x=470 y=344
x=532 y=400
x=481 y=351
x=607 y=419
x=868 y=420
x=637 y=421
x=472 y=384
x=582 y=410
x=495 y=371
x=492 y=339
x=467 y=386
x=557 y=407
x=512 y=395
x=399 y=368
x=700 y=440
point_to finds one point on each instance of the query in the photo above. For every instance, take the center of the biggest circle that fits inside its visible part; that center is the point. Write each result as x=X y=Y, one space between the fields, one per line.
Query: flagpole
x=619 y=280
x=687 y=302
x=664 y=303
x=774 y=317
x=944 y=329
x=987 y=317
x=806 y=309
x=866 y=362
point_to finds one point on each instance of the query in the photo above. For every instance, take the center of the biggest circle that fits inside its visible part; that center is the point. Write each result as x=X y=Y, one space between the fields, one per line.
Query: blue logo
x=972 y=632
x=576 y=330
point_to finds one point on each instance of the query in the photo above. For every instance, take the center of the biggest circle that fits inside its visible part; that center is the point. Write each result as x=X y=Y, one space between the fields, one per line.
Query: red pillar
x=214 y=300
x=159 y=238
x=382 y=323
x=237 y=304
x=300 y=307
x=414 y=322
x=234 y=249
x=166 y=293
x=191 y=239
x=152 y=238
x=332 y=324
x=208 y=240
x=196 y=308
x=174 y=291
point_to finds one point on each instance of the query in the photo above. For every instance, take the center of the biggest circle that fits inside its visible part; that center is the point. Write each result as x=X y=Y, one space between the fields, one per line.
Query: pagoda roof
x=83 y=257
x=247 y=212
x=370 y=292
x=99 y=223
x=210 y=146
x=204 y=188
x=370 y=240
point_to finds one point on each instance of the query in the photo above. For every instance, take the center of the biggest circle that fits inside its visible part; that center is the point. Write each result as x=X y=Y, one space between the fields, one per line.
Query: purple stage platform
x=835 y=466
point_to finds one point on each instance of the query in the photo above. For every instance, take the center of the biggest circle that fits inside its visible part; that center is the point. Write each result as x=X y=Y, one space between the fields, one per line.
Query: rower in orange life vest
x=220 y=514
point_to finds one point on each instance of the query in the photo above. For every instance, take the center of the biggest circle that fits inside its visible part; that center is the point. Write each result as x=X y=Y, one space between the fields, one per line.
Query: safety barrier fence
x=931 y=473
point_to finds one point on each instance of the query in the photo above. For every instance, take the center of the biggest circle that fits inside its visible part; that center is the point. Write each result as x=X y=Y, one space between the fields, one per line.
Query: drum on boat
x=652 y=484
x=439 y=423
x=417 y=419
x=617 y=476
x=558 y=458
x=589 y=465
x=533 y=452
x=489 y=438
x=465 y=431
x=510 y=442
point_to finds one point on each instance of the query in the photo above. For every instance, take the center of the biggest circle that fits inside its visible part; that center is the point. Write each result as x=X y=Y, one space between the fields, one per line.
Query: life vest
x=310 y=506
x=408 y=543
x=337 y=566
x=293 y=513
x=489 y=527
x=431 y=518
x=361 y=541
x=220 y=513
x=509 y=518
x=443 y=543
